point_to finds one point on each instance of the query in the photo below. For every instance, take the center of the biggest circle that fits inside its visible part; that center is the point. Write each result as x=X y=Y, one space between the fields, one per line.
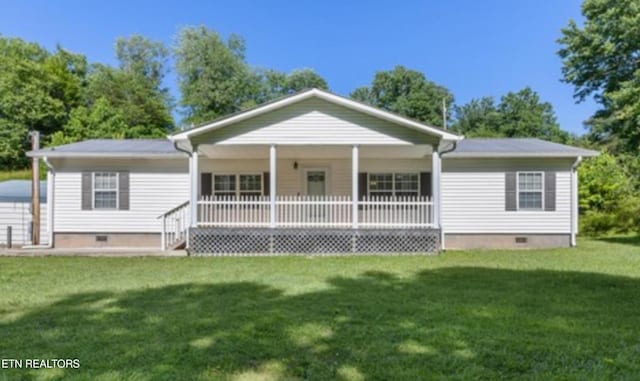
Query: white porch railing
x=397 y=212
x=229 y=211
x=175 y=225
x=316 y=211
x=313 y=211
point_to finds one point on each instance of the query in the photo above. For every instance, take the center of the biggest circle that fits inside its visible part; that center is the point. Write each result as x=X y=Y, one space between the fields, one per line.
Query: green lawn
x=569 y=314
x=22 y=174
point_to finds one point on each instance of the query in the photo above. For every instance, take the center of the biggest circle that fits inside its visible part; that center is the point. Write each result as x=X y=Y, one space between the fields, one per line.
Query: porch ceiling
x=313 y=151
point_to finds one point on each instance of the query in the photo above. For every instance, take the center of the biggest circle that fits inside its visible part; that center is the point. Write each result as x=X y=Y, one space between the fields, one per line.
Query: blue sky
x=475 y=48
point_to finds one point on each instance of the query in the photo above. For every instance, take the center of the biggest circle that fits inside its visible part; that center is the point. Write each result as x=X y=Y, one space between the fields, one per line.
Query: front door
x=316 y=186
x=316 y=182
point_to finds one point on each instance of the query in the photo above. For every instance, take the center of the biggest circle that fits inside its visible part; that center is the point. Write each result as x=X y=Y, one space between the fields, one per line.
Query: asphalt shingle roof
x=499 y=147
x=114 y=147
x=516 y=147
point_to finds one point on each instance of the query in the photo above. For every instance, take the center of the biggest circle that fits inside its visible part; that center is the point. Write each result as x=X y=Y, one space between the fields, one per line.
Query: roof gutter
x=498 y=155
x=112 y=155
x=175 y=145
x=454 y=145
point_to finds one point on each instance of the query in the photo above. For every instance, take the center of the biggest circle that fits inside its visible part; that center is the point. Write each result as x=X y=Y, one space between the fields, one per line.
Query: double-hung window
x=237 y=185
x=393 y=184
x=380 y=184
x=105 y=190
x=530 y=190
x=406 y=184
x=250 y=185
x=224 y=185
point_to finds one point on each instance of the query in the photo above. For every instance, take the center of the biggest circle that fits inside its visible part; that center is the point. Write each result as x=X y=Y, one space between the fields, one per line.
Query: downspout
x=574 y=200
x=51 y=178
x=451 y=149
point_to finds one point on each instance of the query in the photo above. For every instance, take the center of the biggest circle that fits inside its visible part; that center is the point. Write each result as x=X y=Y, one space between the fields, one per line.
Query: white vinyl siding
x=473 y=190
x=315 y=121
x=155 y=186
x=18 y=216
x=473 y=197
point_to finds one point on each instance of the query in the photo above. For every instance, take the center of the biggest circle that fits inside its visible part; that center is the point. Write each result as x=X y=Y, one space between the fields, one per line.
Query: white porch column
x=435 y=185
x=272 y=185
x=193 y=172
x=354 y=186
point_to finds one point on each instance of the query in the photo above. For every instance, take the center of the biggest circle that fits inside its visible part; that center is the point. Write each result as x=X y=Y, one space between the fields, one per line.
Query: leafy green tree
x=302 y=79
x=101 y=120
x=141 y=56
x=478 y=118
x=270 y=84
x=523 y=114
x=145 y=107
x=130 y=97
x=519 y=114
x=37 y=91
x=213 y=78
x=608 y=201
x=601 y=58
x=406 y=92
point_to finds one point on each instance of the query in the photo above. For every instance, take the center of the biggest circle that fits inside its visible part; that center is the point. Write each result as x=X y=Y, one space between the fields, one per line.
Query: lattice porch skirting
x=283 y=241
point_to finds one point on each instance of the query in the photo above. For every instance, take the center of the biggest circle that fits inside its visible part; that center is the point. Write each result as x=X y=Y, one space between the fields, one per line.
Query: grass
x=567 y=314
x=21 y=174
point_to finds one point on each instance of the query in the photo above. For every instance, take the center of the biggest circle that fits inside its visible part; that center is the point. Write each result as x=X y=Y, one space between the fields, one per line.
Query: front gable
x=313 y=117
x=315 y=121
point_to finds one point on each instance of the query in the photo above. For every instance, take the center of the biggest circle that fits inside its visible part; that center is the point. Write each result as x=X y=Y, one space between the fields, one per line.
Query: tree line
x=601 y=59
x=69 y=99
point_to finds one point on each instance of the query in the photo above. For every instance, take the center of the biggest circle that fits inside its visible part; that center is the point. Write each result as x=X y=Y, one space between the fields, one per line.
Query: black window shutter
x=550 y=191
x=266 y=183
x=425 y=184
x=206 y=184
x=362 y=185
x=87 y=190
x=123 y=190
x=510 y=190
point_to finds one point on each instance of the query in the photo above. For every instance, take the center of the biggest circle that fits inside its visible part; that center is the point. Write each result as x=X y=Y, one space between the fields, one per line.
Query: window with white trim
x=237 y=185
x=393 y=184
x=105 y=190
x=530 y=190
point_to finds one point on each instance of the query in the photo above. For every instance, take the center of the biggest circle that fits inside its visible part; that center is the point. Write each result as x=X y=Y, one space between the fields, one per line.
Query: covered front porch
x=300 y=189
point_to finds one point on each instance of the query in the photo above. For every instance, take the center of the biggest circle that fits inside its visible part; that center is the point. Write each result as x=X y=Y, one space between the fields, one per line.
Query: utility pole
x=444 y=113
x=35 y=190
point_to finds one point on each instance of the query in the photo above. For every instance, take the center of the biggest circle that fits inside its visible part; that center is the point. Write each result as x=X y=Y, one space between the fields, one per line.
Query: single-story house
x=15 y=213
x=313 y=172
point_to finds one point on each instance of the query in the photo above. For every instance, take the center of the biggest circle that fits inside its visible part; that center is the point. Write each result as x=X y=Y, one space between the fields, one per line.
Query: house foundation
x=283 y=241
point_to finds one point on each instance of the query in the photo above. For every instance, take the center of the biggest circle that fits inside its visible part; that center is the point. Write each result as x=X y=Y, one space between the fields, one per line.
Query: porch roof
x=308 y=94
